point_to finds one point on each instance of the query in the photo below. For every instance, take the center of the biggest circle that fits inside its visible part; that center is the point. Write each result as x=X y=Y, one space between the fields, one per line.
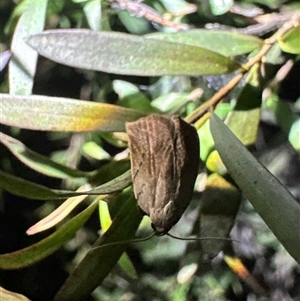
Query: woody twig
x=139 y=9
x=218 y=97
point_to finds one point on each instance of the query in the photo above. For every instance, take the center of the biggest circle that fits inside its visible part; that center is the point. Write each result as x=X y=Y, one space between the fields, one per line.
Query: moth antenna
x=126 y=241
x=201 y=238
x=144 y=239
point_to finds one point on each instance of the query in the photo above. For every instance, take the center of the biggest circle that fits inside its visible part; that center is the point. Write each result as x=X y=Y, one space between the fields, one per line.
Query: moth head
x=159 y=231
x=163 y=219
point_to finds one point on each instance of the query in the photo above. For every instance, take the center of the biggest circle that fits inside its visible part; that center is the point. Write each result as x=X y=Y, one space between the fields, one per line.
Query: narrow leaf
x=219 y=205
x=269 y=197
x=127 y=266
x=101 y=259
x=11 y=296
x=237 y=266
x=24 y=188
x=116 y=184
x=236 y=43
x=47 y=246
x=23 y=62
x=95 y=151
x=37 y=112
x=105 y=220
x=121 y=53
x=27 y=189
x=38 y=162
x=59 y=213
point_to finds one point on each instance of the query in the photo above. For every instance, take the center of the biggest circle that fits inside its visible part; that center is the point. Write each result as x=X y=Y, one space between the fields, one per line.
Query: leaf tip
x=31 y=230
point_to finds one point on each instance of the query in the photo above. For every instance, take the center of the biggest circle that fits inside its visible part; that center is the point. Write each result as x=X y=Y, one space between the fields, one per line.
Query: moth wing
x=187 y=154
x=164 y=159
x=147 y=138
x=181 y=162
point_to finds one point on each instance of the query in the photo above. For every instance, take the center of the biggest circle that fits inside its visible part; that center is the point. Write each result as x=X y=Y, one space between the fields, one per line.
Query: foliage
x=76 y=72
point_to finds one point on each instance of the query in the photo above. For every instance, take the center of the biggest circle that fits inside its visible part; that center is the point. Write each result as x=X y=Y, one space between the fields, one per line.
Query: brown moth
x=164 y=167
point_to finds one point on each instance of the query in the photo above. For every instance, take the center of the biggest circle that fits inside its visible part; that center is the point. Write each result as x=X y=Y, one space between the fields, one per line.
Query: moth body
x=164 y=166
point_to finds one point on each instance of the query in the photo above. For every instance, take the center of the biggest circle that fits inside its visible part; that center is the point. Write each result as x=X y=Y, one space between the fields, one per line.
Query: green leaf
x=220 y=7
x=95 y=151
x=110 y=171
x=27 y=189
x=286 y=118
x=92 y=10
x=295 y=134
x=244 y=119
x=116 y=184
x=114 y=139
x=269 y=197
x=68 y=205
x=290 y=41
x=244 y=124
x=220 y=202
x=104 y=216
x=121 y=53
x=205 y=137
x=105 y=220
x=101 y=259
x=23 y=61
x=127 y=266
x=236 y=43
x=38 y=162
x=47 y=246
x=46 y=113
x=176 y=7
x=133 y=24
x=171 y=101
x=215 y=164
x=35 y=191
x=131 y=97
